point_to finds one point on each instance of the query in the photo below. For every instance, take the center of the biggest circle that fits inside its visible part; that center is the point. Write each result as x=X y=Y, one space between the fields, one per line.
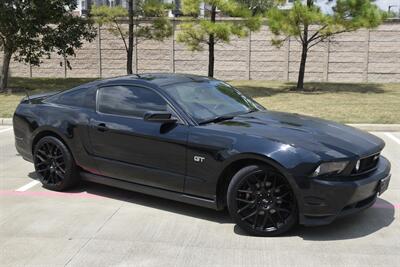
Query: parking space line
x=386 y=206
x=27 y=186
x=5 y=130
x=47 y=194
x=394 y=138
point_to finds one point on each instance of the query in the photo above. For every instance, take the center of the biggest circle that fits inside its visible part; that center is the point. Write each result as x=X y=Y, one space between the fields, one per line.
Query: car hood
x=317 y=135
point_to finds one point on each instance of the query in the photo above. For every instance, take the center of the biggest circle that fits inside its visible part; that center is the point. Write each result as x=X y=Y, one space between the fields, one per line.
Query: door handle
x=102 y=127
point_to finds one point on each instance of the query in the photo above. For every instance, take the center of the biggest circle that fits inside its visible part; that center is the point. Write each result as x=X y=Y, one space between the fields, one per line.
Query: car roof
x=157 y=79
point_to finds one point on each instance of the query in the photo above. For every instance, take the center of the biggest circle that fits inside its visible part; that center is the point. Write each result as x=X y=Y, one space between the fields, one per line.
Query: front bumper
x=322 y=201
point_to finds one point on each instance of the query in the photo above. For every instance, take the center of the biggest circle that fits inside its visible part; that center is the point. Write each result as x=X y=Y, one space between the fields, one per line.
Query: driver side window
x=129 y=101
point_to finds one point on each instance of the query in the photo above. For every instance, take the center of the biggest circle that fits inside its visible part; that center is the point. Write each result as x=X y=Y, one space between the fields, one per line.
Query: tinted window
x=129 y=101
x=209 y=99
x=82 y=97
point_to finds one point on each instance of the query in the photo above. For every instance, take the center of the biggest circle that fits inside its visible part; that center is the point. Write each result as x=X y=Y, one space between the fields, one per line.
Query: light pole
x=393 y=6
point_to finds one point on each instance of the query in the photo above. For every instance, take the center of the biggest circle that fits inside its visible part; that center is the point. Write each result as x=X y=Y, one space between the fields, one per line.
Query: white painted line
x=27 y=186
x=5 y=130
x=394 y=138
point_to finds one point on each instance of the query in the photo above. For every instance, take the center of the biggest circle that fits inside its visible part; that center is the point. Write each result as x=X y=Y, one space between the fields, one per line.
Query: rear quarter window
x=81 y=97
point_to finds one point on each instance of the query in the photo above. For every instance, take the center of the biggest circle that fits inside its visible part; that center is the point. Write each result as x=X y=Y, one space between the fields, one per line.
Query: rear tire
x=261 y=201
x=54 y=164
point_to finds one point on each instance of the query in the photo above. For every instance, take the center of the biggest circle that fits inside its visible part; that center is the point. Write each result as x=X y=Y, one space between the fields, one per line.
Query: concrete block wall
x=362 y=56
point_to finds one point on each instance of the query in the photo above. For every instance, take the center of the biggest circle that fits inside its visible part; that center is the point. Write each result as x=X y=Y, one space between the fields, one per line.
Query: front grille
x=367 y=164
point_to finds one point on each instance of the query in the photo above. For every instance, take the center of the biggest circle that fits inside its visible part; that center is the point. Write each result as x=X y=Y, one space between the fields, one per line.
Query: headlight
x=330 y=168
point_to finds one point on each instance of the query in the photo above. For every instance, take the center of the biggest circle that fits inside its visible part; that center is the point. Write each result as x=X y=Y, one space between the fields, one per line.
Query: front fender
x=287 y=158
x=292 y=162
x=256 y=157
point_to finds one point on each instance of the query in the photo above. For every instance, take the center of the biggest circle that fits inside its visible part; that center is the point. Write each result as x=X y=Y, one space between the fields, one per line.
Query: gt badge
x=198 y=159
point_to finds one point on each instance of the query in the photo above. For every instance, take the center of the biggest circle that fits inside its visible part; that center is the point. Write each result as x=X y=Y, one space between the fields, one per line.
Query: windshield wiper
x=217 y=119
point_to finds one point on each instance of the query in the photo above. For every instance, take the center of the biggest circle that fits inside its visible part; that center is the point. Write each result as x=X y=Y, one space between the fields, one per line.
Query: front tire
x=261 y=201
x=54 y=164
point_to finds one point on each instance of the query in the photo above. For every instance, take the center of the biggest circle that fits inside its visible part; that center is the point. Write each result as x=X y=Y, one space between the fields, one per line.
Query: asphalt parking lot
x=100 y=226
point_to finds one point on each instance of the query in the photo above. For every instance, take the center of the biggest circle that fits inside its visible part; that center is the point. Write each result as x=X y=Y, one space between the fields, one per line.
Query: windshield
x=207 y=100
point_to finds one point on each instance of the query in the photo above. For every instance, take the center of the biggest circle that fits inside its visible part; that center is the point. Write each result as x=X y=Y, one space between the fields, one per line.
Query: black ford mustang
x=200 y=141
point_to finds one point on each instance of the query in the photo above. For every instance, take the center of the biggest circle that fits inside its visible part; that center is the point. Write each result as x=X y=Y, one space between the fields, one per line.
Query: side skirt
x=203 y=202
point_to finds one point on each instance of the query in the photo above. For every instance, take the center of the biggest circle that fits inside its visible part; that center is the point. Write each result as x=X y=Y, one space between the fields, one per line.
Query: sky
x=326 y=5
x=384 y=4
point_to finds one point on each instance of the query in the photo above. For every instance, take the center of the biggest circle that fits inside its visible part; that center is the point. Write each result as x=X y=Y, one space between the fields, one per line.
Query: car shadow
x=155 y=202
x=149 y=201
x=358 y=225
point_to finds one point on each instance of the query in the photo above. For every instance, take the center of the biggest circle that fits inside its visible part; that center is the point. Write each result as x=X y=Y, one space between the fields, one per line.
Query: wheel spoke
x=283 y=209
x=60 y=169
x=50 y=180
x=249 y=216
x=282 y=220
x=41 y=163
x=267 y=183
x=265 y=178
x=279 y=187
x=41 y=151
x=286 y=202
x=55 y=178
x=43 y=170
x=272 y=220
x=41 y=158
x=284 y=195
x=251 y=186
x=264 y=223
x=257 y=174
x=244 y=208
x=274 y=181
x=59 y=176
x=52 y=149
x=47 y=146
x=255 y=220
x=245 y=191
x=245 y=200
x=58 y=157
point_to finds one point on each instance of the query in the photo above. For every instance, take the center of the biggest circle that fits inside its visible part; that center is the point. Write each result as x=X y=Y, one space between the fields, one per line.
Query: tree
x=146 y=20
x=208 y=31
x=310 y=26
x=30 y=30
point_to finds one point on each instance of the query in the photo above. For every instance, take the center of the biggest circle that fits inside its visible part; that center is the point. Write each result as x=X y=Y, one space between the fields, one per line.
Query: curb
x=377 y=127
x=5 y=121
x=365 y=127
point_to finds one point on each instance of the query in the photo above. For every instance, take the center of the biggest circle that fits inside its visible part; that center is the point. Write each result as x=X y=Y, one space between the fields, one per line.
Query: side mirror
x=159 y=116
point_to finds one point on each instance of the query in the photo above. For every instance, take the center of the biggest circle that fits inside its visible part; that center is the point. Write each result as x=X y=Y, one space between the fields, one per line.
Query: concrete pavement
x=95 y=225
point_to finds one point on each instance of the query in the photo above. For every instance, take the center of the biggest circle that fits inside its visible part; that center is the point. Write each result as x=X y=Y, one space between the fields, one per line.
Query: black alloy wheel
x=54 y=164
x=261 y=201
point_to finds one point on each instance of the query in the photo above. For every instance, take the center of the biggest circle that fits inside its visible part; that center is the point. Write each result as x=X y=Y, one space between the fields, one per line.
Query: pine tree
x=310 y=26
x=208 y=31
